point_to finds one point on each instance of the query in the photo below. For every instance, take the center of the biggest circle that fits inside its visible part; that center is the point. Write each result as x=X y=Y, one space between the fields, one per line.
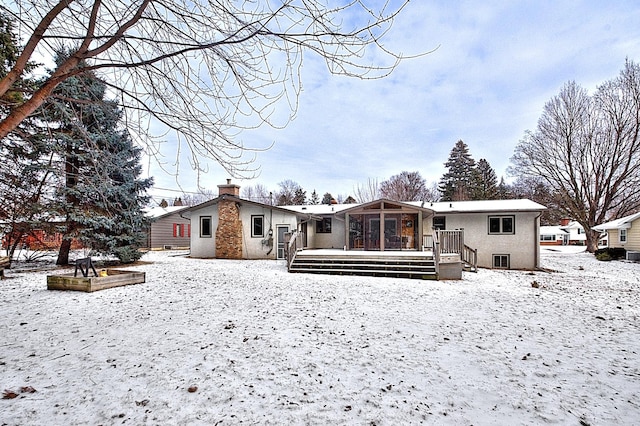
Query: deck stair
x=404 y=265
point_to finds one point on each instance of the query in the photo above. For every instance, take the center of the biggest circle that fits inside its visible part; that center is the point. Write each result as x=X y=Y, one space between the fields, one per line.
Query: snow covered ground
x=244 y=342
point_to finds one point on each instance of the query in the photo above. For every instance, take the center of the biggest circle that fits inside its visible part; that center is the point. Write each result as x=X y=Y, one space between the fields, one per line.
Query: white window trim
x=210 y=235
x=501 y=217
x=622 y=236
x=253 y=218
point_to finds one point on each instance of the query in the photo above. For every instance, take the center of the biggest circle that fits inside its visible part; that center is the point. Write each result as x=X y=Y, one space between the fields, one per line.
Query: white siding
x=252 y=247
x=522 y=246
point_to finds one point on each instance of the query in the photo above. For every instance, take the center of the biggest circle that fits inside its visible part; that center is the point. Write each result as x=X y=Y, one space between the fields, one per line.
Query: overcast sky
x=494 y=67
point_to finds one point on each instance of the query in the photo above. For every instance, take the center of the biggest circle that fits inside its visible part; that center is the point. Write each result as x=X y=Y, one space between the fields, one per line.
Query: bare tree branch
x=205 y=69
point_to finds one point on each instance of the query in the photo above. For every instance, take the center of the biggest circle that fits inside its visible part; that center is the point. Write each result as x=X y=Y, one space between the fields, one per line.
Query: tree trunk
x=63 y=253
x=593 y=238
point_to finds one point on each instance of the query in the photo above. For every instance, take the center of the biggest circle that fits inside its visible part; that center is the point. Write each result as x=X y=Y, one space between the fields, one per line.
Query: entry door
x=280 y=231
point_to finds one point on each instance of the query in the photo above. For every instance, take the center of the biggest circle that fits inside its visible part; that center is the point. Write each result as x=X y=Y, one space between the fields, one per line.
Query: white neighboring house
x=553 y=236
x=623 y=232
x=577 y=236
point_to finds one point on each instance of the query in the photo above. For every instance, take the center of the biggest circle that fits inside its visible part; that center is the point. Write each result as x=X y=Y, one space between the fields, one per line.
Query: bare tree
x=587 y=149
x=406 y=186
x=290 y=193
x=258 y=193
x=367 y=192
x=202 y=68
x=193 y=199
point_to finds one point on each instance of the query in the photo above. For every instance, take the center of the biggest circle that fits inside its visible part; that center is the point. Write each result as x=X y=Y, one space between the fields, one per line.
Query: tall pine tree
x=487 y=181
x=460 y=182
x=100 y=194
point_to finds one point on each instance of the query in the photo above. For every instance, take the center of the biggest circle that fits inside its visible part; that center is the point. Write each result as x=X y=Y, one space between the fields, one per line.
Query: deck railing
x=293 y=241
x=435 y=241
x=451 y=242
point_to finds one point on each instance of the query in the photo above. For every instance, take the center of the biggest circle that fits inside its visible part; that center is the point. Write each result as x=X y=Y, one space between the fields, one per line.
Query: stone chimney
x=229 y=189
x=229 y=231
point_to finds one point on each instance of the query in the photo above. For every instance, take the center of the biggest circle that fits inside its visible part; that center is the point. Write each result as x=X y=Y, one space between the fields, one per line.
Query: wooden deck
x=399 y=264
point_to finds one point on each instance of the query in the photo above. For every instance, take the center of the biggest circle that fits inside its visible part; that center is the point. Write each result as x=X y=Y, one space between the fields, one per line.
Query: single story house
x=169 y=229
x=553 y=236
x=505 y=233
x=230 y=227
x=623 y=232
x=577 y=236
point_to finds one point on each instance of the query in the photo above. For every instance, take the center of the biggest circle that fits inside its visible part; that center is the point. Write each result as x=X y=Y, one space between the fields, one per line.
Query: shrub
x=611 y=253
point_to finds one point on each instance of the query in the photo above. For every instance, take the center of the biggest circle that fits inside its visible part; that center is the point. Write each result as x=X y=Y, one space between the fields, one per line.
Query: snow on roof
x=552 y=230
x=320 y=208
x=157 y=212
x=481 y=206
x=437 y=207
x=622 y=223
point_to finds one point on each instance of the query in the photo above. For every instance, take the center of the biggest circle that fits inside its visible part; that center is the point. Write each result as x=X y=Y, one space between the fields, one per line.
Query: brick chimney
x=565 y=221
x=229 y=189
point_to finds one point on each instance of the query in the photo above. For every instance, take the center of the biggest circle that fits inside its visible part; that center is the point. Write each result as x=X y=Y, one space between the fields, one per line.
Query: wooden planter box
x=114 y=278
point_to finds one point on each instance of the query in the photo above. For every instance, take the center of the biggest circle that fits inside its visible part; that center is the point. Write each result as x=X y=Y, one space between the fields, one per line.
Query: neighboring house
x=169 y=229
x=553 y=236
x=505 y=233
x=230 y=227
x=577 y=236
x=623 y=232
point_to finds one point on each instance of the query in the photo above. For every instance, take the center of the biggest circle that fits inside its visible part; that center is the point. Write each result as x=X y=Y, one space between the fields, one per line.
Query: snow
x=258 y=345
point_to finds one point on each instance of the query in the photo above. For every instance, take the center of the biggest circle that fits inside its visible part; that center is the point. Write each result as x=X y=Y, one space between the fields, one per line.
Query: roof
x=158 y=212
x=482 y=206
x=622 y=223
x=552 y=230
x=437 y=207
x=243 y=201
x=320 y=209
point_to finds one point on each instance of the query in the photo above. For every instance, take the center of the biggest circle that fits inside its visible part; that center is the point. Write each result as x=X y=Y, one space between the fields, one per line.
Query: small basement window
x=501 y=261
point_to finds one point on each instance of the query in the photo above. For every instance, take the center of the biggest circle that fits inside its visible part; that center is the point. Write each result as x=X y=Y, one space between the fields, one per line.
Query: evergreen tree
x=460 y=182
x=300 y=197
x=24 y=169
x=326 y=199
x=100 y=193
x=503 y=190
x=488 y=181
x=315 y=198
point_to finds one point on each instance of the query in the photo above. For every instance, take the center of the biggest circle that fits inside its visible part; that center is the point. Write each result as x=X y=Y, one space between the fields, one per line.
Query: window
x=179 y=230
x=440 y=222
x=323 y=226
x=623 y=235
x=548 y=238
x=501 y=261
x=257 y=226
x=501 y=225
x=205 y=227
